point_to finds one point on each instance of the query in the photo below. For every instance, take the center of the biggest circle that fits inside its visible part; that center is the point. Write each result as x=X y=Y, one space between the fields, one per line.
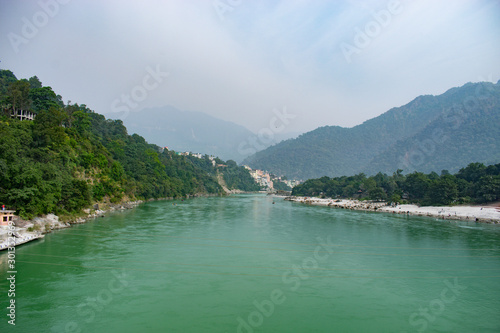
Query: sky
x=315 y=63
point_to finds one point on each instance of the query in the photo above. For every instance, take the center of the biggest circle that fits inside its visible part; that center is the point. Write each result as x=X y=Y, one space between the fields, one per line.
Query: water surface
x=244 y=264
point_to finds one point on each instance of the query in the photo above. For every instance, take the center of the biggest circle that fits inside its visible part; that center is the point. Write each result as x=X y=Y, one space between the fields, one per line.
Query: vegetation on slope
x=475 y=183
x=70 y=157
x=431 y=133
x=235 y=177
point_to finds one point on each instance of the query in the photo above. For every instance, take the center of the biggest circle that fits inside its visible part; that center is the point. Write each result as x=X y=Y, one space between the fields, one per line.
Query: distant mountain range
x=192 y=131
x=431 y=133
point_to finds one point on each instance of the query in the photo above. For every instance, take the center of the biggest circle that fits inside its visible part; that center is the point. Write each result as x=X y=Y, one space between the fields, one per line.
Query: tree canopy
x=70 y=157
x=475 y=183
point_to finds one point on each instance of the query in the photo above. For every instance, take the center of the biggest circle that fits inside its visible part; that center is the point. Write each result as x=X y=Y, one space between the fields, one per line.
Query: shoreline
x=481 y=214
x=42 y=225
x=25 y=231
x=30 y=230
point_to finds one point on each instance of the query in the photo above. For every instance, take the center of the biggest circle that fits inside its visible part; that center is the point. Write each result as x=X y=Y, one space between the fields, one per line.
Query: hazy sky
x=326 y=62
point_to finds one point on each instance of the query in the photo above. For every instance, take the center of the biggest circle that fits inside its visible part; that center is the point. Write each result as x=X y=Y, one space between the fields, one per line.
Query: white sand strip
x=469 y=213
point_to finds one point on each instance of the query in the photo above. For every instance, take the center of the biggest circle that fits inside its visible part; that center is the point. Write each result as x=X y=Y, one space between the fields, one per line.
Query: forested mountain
x=431 y=133
x=192 y=131
x=70 y=157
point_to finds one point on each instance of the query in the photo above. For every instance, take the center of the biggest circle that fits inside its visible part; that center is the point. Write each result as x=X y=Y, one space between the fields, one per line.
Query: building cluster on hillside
x=261 y=177
x=291 y=183
x=266 y=180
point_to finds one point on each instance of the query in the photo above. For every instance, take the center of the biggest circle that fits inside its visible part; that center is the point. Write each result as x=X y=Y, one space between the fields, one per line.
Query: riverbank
x=486 y=214
x=24 y=231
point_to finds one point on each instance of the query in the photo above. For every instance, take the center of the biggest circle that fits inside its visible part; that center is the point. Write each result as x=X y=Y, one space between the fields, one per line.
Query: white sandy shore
x=468 y=213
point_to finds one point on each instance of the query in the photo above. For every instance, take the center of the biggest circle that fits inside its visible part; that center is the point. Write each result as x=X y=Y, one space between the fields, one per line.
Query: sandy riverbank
x=485 y=214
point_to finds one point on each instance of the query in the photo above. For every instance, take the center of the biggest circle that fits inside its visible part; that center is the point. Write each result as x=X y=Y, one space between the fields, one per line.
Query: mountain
x=68 y=158
x=192 y=131
x=431 y=133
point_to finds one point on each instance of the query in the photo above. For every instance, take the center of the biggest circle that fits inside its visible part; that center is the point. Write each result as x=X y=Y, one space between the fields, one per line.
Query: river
x=256 y=263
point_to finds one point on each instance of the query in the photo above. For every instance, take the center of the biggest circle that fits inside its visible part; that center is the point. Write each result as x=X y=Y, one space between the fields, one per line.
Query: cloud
x=262 y=55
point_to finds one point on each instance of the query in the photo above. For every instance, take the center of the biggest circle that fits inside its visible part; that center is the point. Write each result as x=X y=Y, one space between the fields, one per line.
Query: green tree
x=416 y=185
x=34 y=82
x=442 y=191
x=473 y=172
x=117 y=172
x=378 y=193
x=48 y=127
x=349 y=191
x=44 y=99
x=18 y=95
x=81 y=122
x=488 y=188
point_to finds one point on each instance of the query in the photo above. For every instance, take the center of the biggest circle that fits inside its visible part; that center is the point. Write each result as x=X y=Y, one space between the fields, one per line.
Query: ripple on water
x=203 y=263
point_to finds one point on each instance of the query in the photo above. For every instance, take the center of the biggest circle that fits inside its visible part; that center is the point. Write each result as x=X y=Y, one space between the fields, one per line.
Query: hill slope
x=192 y=131
x=70 y=157
x=461 y=124
x=188 y=131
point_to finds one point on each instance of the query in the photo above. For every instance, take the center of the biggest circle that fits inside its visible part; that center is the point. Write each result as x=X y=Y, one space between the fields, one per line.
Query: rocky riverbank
x=467 y=213
x=23 y=231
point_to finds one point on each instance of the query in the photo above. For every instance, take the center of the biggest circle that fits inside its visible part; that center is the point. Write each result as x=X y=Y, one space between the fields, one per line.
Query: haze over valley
x=250 y=166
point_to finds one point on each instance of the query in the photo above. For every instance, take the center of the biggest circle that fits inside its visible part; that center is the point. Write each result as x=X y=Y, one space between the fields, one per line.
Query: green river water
x=244 y=264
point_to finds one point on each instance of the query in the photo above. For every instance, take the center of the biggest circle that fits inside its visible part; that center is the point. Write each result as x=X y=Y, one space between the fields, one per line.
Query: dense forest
x=69 y=157
x=431 y=133
x=475 y=183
